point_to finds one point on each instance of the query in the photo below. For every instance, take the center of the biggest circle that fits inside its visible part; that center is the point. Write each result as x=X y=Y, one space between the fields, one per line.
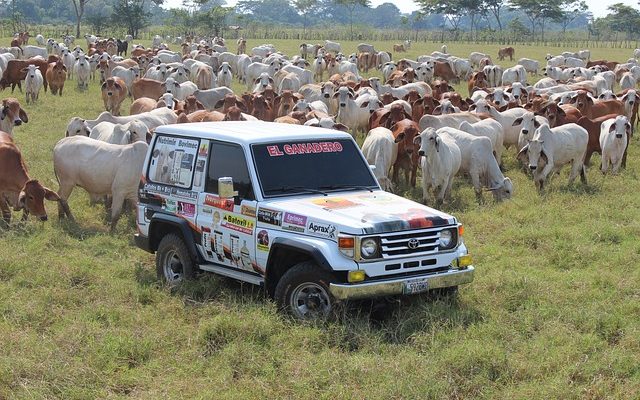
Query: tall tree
x=132 y=14
x=351 y=5
x=452 y=10
x=572 y=9
x=537 y=11
x=304 y=8
x=623 y=18
x=495 y=7
x=78 y=7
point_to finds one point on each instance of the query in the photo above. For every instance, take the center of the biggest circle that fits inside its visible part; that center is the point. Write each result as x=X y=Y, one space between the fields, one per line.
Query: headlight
x=448 y=239
x=369 y=248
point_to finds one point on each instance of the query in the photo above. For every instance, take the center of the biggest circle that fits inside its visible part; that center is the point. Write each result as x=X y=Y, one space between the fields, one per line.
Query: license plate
x=415 y=286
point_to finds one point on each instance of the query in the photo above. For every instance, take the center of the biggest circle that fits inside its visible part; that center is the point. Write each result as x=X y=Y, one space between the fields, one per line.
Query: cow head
x=12 y=111
x=31 y=199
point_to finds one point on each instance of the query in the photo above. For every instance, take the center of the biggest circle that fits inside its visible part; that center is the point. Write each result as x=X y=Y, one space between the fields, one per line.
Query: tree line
x=468 y=19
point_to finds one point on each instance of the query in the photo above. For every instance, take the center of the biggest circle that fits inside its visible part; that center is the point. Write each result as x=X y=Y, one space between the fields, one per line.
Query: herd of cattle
x=411 y=117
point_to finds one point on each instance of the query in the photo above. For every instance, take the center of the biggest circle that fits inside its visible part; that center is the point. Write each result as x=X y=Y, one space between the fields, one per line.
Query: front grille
x=422 y=242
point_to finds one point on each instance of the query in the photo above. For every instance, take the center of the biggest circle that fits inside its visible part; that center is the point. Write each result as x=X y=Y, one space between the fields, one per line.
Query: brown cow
x=387 y=117
x=404 y=131
x=12 y=115
x=114 y=91
x=145 y=87
x=439 y=88
x=443 y=70
x=262 y=108
x=15 y=73
x=284 y=103
x=506 y=51
x=229 y=101
x=56 y=76
x=559 y=115
x=422 y=106
x=191 y=104
x=585 y=104
x=201 y=116
x=234 y=113
x=477 y=81
x=593 y=127
x=609 y=64
x=399 y=48
x=17 y=188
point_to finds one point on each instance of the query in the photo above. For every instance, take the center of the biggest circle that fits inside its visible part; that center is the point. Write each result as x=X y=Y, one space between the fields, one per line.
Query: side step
x=232 y=273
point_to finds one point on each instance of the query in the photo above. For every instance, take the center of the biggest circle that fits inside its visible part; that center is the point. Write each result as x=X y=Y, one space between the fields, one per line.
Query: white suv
x=295 y=209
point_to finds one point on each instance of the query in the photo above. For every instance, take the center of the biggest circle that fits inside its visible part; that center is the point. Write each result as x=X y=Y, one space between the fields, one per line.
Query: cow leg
x=63 y=207
x=477 y=186
x=575 y=170
x=6 y=210
x=116 y=210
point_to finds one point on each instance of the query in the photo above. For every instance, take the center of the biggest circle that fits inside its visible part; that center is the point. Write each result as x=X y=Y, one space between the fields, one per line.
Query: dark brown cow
x=229 y=101
x=17 y=188
x=262 y=108
x=443 y=70
x=285 y=103
x=439 y=88
x=404 y=131
x=477 y=81
x=559 y=115
x=191 y=104
x=422 y=106
x=387 y=117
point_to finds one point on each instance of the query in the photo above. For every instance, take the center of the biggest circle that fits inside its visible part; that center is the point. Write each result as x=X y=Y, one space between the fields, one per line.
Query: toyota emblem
x=413 y=244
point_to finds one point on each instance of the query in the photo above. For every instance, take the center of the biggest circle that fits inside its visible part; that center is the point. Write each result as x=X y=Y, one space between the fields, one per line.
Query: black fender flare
x=183 y=227
x=290 y=244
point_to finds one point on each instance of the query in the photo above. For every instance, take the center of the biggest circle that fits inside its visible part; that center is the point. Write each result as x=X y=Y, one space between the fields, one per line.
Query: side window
x=172 y=161
x=227 y=159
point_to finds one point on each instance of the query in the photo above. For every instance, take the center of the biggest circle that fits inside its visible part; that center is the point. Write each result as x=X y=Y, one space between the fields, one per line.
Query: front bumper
x=344 y=291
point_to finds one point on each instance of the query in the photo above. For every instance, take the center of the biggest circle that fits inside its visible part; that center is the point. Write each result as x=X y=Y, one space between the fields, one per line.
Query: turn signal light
x=460 y=230
x=356 y=276
x=347 y=245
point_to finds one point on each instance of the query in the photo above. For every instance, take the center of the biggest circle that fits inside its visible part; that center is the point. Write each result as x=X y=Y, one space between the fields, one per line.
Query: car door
x=228 y=224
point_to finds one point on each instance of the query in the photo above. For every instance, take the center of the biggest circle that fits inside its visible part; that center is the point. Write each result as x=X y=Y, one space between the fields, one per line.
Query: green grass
x=552 y=314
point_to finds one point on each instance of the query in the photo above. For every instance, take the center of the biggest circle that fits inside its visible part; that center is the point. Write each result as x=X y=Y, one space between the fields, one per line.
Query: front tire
x=303 y=292
x=173 y=262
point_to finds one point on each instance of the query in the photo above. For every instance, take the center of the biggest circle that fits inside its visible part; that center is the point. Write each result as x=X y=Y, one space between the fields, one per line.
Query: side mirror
x=225 y=187
x=372 y=168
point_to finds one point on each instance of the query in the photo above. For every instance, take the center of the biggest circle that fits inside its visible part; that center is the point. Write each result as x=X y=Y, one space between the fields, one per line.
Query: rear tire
x=173 y=261
x=303 y=292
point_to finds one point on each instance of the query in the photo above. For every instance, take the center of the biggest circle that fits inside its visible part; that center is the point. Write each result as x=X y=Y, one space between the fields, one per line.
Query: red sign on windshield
x=304 y=148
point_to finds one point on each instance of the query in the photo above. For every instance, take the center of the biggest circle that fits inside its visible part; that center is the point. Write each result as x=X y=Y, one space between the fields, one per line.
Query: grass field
x=553 y=312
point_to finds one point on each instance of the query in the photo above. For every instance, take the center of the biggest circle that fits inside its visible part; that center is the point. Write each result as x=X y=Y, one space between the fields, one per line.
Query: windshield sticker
x=271 y=217
x=217 y=202
x=294 y=222
x=249 y=211
x=324 y=230
x=304 y=148
x=263 y=240
x=204 y=149
x=335 y=203
x=238 y=224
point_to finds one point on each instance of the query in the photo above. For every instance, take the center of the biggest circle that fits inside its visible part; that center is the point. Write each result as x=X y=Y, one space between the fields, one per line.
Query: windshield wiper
x=301 y=189
x=334 y=187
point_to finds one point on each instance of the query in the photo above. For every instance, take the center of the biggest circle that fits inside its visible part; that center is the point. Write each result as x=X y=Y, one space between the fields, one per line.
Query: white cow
x=332 y=46
x=225 y=75
x=210 y=97
x=130 y=132
x=479 y=162
x=506 y=119
x=102 y=169
x=33 y=51
x=441 y=159
x=180 y=90
x=529 y=122
x=627 y=81
x=531 y=66
x=255 y=69
x=514 y=74
x=33 y=82
x=448 y=120
x=152 y=119
x=128 y=75
x=381 y=150
x=82 y=69
x=614 y=135
x=552 y=148
x=488 y=128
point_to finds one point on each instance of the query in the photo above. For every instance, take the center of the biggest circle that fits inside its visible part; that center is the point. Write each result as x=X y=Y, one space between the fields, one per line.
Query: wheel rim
x=172 y=267
x=310 y=301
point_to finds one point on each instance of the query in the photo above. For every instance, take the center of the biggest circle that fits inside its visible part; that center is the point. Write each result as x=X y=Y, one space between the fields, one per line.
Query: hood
x=351 y=213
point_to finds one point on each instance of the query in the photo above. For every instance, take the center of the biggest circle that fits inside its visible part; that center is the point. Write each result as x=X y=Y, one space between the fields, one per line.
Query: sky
x=597 y=7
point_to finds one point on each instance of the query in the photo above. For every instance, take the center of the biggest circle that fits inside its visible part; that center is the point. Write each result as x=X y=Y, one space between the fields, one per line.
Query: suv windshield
x=317 y=166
